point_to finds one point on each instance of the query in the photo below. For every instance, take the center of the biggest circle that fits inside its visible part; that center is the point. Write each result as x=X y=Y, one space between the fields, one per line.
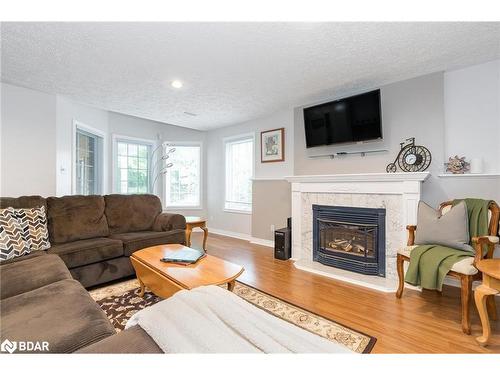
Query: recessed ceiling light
x=176 y=84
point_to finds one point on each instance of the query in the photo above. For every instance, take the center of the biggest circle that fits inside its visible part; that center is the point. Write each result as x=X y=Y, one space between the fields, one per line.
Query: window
x=88 y=161
x=183 y=179
x=239 y=173
x=132 y=166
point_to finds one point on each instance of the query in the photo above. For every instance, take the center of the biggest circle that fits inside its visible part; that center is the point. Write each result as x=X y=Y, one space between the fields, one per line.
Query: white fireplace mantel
x=362 y=177
x=399 y=193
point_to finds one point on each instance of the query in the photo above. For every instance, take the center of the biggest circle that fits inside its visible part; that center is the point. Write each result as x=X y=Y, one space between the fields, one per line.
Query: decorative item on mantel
x=411 y=158
x=160 y=166
x=272 y=145
x=457 y=165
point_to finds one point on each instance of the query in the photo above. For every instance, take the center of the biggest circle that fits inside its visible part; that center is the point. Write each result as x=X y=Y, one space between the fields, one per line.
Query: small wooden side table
x=484 y=295
x=196 y=222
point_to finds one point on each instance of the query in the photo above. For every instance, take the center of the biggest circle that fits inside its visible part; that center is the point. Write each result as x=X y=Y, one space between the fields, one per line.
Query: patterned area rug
x=120 y=301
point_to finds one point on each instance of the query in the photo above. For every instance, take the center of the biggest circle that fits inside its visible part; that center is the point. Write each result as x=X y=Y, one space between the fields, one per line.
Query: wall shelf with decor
x=337 y=154
x=470 y=175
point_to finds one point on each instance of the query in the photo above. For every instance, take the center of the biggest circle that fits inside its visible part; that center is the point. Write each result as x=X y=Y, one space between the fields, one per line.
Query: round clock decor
x=411 y=158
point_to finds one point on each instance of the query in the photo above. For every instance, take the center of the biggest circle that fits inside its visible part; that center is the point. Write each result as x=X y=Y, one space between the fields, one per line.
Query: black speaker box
x=283 y=243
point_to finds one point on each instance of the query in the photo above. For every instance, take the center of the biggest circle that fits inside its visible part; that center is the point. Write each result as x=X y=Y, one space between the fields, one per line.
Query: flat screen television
x=353 y=119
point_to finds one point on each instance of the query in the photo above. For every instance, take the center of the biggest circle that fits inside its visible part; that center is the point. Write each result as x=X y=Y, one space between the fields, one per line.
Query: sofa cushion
x=167 y=221
x=131 y=213
x=465 y=266
x=103 y=272
x=83 y=252
x=76 y=217
x=24 y=257
x=26 y=201
x=131 y=341
x=61 y=313
x=31 y=273
x=139 y=240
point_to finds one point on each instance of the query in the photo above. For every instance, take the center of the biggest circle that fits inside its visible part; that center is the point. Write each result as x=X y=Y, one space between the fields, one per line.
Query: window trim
x=114 y=157
x=164 y=181
x=226 y=140
x=100 y=161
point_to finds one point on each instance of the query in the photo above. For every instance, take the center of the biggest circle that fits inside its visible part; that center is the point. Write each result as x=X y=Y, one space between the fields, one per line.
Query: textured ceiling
x=232 y=72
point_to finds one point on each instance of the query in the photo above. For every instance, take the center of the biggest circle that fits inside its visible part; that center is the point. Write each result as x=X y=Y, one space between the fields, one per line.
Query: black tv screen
x=352 y=119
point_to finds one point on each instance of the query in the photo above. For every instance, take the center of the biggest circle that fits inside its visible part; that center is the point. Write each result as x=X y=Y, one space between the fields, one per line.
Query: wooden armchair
x=464 y=270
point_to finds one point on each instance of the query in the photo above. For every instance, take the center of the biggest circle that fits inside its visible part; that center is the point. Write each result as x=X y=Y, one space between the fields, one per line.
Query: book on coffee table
x=185 y=255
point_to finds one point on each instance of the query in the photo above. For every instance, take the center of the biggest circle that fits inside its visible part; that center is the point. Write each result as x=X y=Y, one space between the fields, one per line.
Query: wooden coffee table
x=165 y=279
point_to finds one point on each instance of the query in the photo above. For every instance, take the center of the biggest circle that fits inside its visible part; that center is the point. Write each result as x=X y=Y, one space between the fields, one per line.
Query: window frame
x=176 y=144
x=128 y=139
x=232 y=139
x=100 y=184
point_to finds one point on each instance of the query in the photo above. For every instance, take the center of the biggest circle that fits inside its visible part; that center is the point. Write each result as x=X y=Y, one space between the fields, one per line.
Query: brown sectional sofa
x=92 y=238
x=40 y=302
x=95 y=235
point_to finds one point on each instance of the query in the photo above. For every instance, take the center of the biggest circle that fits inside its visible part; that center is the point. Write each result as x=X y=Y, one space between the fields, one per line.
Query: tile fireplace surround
x=398 y=193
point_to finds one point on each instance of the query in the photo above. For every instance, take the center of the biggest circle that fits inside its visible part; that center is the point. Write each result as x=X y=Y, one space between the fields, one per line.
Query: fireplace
x=350 y=238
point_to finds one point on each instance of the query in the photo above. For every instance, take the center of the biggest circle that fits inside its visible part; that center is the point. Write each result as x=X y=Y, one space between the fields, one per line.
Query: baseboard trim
x=262 y=242
x=227 y=233
x=242 y=236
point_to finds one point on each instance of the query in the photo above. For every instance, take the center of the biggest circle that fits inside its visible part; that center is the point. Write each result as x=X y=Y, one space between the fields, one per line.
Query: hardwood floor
x=417 y=323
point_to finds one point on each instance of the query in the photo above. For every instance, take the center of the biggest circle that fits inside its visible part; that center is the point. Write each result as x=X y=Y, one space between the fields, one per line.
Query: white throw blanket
x=212 y=320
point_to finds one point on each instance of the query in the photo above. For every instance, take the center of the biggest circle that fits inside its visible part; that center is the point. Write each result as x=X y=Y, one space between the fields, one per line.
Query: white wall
x=236 y=222
x=412 y=108
x=472 y=114
x=38 y=140
x=156 y=131
x=67 y=112
x=28 y=152
x=452 y=112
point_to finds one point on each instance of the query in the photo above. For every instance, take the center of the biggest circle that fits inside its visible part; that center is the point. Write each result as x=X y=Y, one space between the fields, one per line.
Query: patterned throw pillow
x=13 y=241
x=34 y=221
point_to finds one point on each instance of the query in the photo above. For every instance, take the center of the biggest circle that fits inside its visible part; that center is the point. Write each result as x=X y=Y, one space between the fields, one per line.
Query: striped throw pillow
x=13 y=237
x=34 y=221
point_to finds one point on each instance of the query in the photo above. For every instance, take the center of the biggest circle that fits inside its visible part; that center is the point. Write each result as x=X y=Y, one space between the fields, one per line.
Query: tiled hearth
x=398 y=193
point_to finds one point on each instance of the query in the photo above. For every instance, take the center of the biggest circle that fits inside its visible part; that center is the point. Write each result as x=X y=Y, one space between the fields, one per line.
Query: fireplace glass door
x=355 y=240
x=350 y=238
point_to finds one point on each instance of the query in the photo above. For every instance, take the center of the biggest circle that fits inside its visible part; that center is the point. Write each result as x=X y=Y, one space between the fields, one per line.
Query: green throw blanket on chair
x=429 y=264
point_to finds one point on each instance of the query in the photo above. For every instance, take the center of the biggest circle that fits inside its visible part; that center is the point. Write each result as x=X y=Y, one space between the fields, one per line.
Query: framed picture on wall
x=272 y=145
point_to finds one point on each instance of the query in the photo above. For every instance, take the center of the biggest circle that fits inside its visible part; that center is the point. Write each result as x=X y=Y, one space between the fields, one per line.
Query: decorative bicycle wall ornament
x=411 y=158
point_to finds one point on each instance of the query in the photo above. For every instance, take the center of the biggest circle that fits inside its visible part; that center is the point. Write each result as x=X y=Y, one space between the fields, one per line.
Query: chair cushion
x=31 y=273
x=131 y=213
x=83 y=252
x=139 y=240
x=76 y=217
x=465 y=266
x=61 y=313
